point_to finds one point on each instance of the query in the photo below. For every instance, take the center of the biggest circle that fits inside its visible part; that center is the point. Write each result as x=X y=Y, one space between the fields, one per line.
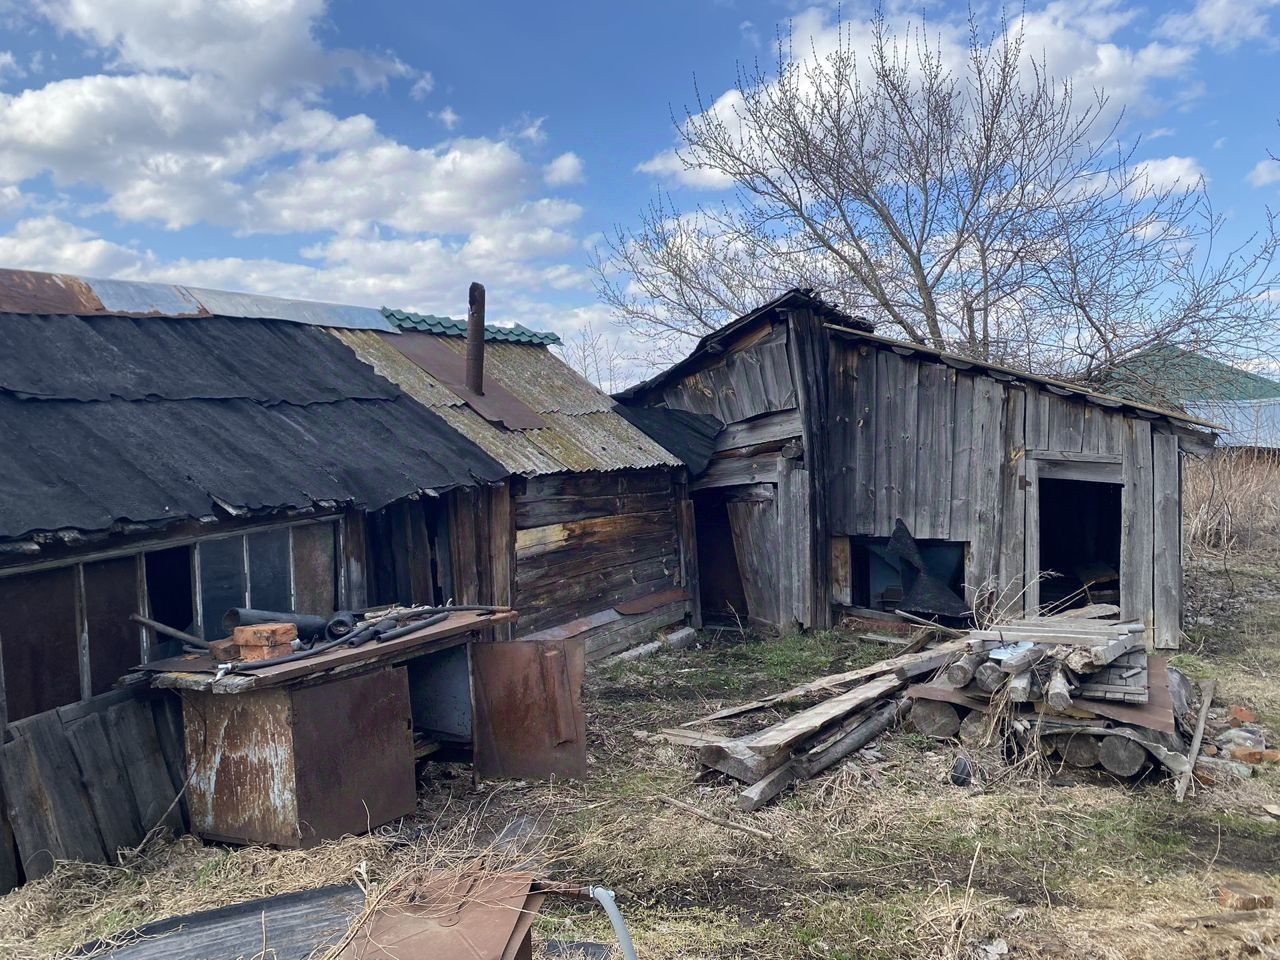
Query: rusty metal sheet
x=366 y=721
x=497 y=404
x=529 y=722
x=30 y=291
x=262 y=763
x=26 y=291
x=241 y=762
x=467 y=917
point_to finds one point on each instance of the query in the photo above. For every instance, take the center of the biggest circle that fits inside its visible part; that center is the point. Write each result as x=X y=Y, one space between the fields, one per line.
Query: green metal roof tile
x=1181 y=376
x=448 y=327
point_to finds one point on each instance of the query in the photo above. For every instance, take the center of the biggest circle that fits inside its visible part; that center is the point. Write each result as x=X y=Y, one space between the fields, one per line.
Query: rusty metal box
x=295 y=765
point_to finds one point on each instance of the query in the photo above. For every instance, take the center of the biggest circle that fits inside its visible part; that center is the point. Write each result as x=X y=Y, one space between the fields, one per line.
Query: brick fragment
x=1235 y=896
x=265 y=635
x=266 y=653
x=1238 y=716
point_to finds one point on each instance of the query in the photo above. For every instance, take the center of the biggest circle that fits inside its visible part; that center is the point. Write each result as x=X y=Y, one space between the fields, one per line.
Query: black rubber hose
x=407 y=628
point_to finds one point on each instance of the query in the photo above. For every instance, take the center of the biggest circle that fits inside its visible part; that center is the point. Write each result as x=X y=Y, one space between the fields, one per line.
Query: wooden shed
x=593 y=510
x=858 y=471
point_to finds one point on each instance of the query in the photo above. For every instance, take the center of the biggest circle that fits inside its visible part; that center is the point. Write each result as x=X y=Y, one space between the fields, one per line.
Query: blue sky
x=389 y=153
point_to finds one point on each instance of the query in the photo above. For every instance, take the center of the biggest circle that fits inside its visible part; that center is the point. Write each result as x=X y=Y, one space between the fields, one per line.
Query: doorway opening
x=1080 y=532
x=737 y=531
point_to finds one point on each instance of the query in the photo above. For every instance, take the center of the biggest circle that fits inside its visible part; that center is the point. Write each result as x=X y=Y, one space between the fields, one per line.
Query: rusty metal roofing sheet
x=448 y=327
x=29 y=291
x=583 y=432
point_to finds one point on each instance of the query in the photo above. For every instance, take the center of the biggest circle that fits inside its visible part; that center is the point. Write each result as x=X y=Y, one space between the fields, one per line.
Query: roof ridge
x=449 y=327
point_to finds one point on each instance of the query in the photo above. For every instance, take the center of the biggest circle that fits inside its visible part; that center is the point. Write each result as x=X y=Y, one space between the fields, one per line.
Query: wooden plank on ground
x=782 y=736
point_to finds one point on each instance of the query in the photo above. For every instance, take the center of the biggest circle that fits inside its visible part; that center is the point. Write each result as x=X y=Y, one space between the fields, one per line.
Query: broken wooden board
x=905 y=666
x=782 y=736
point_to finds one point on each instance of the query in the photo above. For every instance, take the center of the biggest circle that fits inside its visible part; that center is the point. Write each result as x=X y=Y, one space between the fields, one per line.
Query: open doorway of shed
x=734 y=529
x=1079 y=542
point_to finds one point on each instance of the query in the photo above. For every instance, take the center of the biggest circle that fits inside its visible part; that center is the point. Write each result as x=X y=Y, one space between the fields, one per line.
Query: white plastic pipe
x=605 y=898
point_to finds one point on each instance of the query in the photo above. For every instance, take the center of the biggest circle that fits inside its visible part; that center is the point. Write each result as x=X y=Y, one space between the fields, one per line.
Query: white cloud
x=563 y=170
x=668 y=165
x=530 y=129
x=1222 y=24
x=12 y=201
x=1167 y=172
x=1161 y=132
x=9 y=65
x=1219 y=143
x=46 y=243
x=1265 y=173
x=449 y=117
x=423 y=86
x=1079 y=40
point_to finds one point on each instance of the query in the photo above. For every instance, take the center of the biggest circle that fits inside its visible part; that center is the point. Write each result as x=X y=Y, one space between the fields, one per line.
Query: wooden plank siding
x=584 y=542
x=958 y=455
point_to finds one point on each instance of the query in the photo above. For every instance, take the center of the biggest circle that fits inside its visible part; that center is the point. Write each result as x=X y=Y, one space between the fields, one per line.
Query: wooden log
x=761 y=792
x=1020 y=687
x=874 y=724
x=989 y=677
x=961 y=672
x=1058 y=691
x=1023 y=660
x=935 y=718
x=734 y=758
x=1122 y=756
x=1079 y=749
x=973 y=728
x=782 y=736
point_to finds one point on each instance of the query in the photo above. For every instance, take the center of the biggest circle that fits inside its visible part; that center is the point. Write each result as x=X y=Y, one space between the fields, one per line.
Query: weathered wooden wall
x=957 y=454
x=587 y=542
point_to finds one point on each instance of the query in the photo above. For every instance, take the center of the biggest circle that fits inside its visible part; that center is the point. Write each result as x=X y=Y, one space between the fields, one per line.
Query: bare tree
x=597 y=356
x=961 y=197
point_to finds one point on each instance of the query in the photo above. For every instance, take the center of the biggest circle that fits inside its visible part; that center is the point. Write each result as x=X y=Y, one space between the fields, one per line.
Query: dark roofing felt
x=145 y=420
x=448 y=327
x=689 y=436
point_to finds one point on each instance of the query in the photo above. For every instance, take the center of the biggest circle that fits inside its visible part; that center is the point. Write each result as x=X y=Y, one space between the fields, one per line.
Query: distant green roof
x=1171 y=375
x=448 y=327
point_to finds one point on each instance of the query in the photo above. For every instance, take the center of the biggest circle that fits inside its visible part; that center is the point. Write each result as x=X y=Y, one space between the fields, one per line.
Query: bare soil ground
x=880 y=859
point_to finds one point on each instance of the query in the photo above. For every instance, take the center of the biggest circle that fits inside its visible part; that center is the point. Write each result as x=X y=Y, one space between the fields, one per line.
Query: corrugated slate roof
x=108 y=420
x=583 y=432
x=448 y=327
x=29 y=291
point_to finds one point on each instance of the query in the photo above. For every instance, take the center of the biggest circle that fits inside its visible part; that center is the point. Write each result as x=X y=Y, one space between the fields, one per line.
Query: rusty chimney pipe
x=475 y=339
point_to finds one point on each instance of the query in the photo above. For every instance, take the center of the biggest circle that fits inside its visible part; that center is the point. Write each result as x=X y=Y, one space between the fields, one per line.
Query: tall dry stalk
x=1231 y=500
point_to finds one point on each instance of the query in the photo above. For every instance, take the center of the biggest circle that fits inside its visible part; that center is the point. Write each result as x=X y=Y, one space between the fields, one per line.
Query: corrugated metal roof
x=30 y=291
x=1242 y=423
x=107 y=420
x=448 y=327
x=583 y=432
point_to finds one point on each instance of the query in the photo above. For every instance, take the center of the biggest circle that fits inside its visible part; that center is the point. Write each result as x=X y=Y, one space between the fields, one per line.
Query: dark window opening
x=40 y=642
x=404 y=553
x=222 y=582
x=1079 y=543
x=169 y=596
x=883 y=581
x=269 y=586
x=110 y=595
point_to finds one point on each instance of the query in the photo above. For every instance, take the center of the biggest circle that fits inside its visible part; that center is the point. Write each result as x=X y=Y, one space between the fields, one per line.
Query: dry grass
x=1231 y=500
x=880 y=858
